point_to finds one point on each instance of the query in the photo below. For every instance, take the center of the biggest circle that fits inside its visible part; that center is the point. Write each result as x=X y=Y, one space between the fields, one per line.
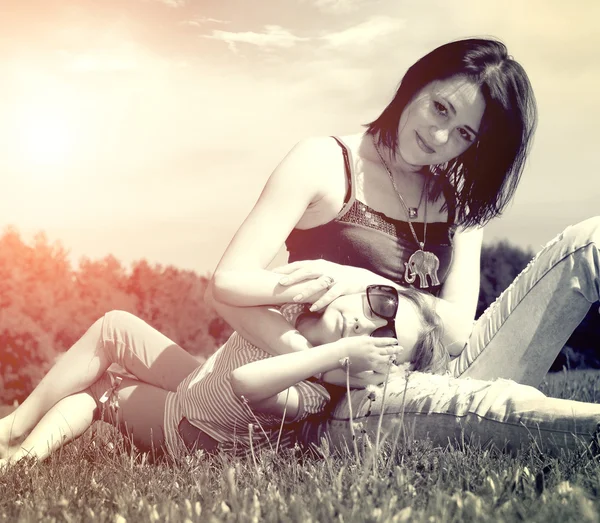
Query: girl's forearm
x=264 y=327
x=262 y=379
x=362 y=380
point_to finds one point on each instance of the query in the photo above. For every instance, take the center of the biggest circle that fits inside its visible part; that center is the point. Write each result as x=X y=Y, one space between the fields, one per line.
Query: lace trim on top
x=362 y=214
x=292 y=311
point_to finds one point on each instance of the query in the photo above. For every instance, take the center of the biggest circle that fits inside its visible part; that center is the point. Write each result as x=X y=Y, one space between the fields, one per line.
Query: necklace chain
x=406 y=208
x=416 y=209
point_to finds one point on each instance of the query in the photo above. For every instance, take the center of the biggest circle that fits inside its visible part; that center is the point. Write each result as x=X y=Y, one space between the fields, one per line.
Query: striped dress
x=207 y=400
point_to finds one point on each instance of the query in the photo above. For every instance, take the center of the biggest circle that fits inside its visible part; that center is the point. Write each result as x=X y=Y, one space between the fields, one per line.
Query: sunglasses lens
x=384 y=332
x=383 y=302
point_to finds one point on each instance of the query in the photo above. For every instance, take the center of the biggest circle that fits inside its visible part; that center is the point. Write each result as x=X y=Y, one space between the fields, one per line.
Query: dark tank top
x=363 y=237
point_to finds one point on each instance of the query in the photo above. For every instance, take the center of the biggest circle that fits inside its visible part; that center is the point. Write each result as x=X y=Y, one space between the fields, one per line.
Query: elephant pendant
x=422 y=264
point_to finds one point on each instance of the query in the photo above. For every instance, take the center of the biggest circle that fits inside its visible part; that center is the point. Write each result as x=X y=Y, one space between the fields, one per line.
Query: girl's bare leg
x=118 y=337
x=137 y=410
x=80 y=366
x=64 y=422
x=138 y=413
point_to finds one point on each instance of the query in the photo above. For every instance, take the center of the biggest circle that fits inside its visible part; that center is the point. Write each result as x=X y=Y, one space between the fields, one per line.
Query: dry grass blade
x=287 y=397
x=391 y=361
x=346 y=364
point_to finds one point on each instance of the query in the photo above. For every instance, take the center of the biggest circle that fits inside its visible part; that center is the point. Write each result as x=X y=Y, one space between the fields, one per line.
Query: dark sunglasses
x=383 y=302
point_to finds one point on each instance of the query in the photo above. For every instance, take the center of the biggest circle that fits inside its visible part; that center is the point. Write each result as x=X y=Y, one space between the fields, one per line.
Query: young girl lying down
x=241 y=396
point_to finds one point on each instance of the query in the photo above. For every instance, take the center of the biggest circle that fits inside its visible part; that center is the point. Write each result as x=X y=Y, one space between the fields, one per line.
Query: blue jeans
x=489 y=393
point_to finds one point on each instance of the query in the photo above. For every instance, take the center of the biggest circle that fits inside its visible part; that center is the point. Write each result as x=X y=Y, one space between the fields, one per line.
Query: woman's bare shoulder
x=316 y=148
x=317 y=158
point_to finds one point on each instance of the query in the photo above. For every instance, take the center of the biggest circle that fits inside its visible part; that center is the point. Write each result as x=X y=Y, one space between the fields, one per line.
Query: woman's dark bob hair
x=485 y=177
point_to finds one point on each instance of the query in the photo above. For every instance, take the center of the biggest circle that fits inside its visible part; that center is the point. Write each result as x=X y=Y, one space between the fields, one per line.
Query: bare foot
x=4 y=449
x=8 y=444
x=11 y=450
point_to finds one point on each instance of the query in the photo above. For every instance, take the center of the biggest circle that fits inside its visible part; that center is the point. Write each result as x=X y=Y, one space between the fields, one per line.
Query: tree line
x=46 y=304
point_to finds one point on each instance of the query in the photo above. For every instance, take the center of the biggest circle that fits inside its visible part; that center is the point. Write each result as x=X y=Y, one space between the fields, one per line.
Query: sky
x=146 y=129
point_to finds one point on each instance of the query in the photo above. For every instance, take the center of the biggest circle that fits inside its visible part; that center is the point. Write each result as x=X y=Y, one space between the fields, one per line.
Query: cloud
x=364 y=33
x=272 y=36
x=359 y=36
x=202 y=21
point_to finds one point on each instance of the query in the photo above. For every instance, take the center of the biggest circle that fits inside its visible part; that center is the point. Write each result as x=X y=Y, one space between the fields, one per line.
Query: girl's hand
x=370 y=377
x=364 y=353
x=320 y=281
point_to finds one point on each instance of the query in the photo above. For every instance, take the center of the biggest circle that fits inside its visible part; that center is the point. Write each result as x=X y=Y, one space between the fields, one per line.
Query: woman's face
x=351 y=316
x=441 y=122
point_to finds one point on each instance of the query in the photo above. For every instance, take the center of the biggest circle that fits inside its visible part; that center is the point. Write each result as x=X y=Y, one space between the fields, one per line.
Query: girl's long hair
x=430 y=354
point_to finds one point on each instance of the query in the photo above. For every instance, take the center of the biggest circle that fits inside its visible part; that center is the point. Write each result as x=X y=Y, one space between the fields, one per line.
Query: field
x=95 y=480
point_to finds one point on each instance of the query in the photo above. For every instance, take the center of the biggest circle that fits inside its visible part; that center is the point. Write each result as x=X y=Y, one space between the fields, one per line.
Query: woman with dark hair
x=407 y=200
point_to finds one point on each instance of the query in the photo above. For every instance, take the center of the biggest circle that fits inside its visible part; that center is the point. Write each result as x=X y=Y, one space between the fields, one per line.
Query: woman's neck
x=395 y=163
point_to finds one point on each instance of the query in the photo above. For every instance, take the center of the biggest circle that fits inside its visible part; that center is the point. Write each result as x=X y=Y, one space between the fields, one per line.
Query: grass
x=95 y=480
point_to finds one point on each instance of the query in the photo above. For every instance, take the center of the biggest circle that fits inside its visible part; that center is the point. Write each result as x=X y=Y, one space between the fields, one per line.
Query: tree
x=46 y=305
x=172 y=301
x=500 y=264
x=35 y=286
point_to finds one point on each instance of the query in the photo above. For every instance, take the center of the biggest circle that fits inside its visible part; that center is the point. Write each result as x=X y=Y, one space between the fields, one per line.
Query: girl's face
x=351 y=316
x=441 y=122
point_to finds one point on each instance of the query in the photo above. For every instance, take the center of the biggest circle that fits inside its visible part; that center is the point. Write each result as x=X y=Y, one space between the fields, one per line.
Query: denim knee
x=585 y=232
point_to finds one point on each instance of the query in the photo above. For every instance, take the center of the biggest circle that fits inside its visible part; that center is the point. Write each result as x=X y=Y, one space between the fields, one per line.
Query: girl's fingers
x=381 y=368
x=393 y=350
x=385 y=359
x=391 y=344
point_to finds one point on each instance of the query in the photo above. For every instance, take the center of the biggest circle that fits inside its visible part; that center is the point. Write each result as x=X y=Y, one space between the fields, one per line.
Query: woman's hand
x=364 y=353
x=320 y=282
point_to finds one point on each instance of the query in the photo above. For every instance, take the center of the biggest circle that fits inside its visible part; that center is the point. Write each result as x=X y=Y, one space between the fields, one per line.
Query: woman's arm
x=458 y=298
x=291 y=196
x=264 y=327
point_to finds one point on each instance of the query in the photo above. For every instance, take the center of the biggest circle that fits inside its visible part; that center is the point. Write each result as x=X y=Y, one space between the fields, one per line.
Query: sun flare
x=46 y=137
